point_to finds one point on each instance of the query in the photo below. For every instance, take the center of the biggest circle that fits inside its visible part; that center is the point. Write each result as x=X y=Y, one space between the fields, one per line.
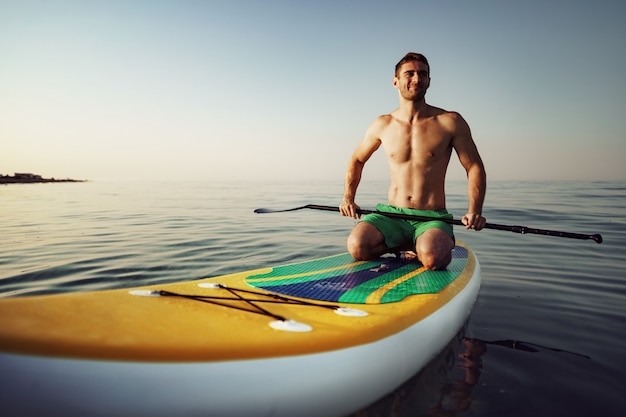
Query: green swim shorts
x=401 y=232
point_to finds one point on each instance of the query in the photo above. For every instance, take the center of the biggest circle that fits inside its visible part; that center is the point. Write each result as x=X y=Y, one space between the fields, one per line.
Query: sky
x=284 y=90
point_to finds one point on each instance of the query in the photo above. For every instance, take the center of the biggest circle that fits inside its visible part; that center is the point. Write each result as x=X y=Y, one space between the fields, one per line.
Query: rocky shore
x=19 y=178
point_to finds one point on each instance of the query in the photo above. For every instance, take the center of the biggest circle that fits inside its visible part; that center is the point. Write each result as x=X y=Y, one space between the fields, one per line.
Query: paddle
x=515 y=229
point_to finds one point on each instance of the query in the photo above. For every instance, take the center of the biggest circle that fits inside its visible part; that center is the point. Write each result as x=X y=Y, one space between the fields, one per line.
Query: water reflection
x=444 y=384
x=445 y=387
x=456 y=395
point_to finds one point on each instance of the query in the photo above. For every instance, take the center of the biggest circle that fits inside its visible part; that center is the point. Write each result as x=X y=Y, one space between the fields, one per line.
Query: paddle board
x=322 y=337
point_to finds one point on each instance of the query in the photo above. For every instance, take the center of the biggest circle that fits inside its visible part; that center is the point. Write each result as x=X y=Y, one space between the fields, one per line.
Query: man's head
x=410 y=57
x=412 y=77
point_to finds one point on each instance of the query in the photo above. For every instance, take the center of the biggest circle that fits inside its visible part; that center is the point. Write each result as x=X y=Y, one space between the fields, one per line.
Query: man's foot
x=407 y=255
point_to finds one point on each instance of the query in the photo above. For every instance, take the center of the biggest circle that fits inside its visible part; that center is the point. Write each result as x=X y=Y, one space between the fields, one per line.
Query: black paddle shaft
x=515 y=229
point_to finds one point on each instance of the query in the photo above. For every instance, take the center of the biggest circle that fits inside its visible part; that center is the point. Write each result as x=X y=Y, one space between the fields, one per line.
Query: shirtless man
x=418 y=140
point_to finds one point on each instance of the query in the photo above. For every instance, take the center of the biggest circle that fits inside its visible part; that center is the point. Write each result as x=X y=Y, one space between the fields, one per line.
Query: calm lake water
x=546 y=336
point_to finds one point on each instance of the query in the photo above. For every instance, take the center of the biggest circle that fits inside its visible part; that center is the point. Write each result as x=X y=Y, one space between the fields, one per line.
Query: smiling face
x=412 y=80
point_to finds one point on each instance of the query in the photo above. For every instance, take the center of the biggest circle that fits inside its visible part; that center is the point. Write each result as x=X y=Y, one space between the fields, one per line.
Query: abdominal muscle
x=421 y=192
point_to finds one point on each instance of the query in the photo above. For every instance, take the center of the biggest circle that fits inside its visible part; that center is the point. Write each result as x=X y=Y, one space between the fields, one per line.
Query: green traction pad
x=341 y=278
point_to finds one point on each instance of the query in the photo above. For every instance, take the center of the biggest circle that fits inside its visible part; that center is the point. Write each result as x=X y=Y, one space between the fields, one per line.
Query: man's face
x=412 y=80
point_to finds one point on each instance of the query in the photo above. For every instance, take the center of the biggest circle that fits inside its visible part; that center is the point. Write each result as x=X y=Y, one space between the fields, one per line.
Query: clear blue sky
x=271 y=90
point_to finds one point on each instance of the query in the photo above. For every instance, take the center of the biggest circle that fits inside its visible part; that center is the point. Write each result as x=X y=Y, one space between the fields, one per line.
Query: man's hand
x=349 y=209
x=474 y=221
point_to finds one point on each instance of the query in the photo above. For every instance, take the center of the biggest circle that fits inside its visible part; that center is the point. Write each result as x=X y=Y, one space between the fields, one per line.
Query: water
x=545 y=338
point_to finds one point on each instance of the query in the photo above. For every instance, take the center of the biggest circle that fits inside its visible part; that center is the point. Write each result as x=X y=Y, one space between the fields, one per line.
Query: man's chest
x=417 y=143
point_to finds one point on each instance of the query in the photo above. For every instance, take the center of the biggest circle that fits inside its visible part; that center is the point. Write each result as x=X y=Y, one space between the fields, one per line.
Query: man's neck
x=414 y=110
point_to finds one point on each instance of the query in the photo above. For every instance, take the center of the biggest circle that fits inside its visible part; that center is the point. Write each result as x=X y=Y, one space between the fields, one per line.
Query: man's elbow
x=477 y=171
x=356 y=164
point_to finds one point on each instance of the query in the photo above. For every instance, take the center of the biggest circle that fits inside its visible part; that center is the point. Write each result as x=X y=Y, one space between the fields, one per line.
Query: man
x=418 y=140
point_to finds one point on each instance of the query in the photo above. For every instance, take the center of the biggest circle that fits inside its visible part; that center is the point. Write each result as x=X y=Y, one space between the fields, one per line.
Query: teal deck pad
x=341 y=278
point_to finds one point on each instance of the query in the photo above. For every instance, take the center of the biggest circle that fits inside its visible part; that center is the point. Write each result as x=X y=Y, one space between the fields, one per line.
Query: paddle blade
x=266 y=210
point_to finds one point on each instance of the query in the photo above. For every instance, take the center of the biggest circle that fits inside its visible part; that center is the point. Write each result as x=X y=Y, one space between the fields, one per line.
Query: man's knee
x=435 y=261
x=358 y=248
x=365 y=242
x=434 y=249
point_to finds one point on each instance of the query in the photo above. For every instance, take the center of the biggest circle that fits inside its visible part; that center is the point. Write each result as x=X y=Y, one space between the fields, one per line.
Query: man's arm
x=476 y=176
x=370 y=143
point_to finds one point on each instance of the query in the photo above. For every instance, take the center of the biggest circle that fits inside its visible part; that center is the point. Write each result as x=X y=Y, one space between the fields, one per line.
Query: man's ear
x=395 y=81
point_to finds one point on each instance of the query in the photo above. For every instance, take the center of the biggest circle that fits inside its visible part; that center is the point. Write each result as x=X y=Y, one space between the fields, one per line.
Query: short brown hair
x=412 y=56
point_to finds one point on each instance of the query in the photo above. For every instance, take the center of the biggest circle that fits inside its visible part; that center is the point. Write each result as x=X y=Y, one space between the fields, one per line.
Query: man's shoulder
x=382 y=121
x=439 y=112
x=385 y=118
x=447 y=118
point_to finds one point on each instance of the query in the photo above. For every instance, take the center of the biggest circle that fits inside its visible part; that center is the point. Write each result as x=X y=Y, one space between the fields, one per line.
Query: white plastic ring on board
x=290 y=326
x=211 y=285
x=145 y=293
x=350 y=312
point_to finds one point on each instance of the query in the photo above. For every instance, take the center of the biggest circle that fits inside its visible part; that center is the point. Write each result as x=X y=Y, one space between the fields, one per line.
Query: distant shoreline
x=31 y=179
